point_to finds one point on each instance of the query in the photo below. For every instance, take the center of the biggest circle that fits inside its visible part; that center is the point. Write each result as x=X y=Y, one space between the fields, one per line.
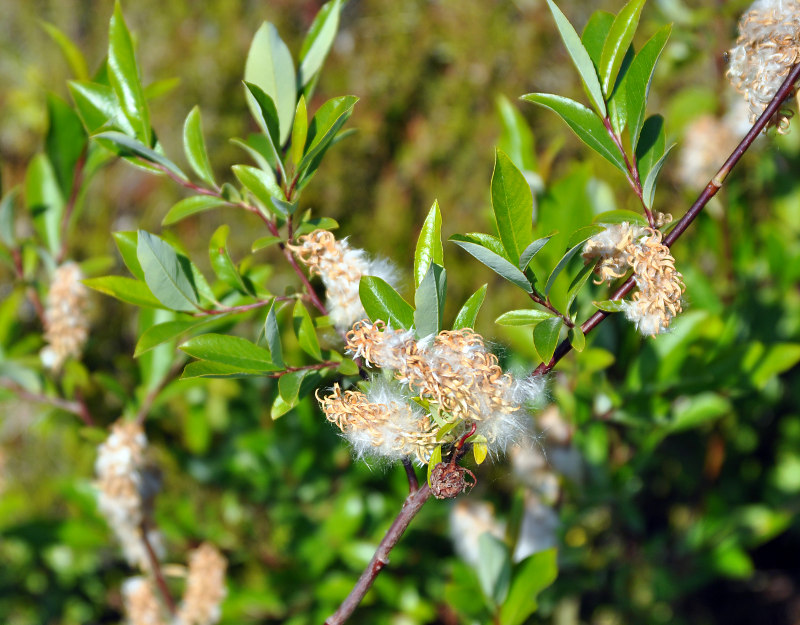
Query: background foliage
x=685 y=507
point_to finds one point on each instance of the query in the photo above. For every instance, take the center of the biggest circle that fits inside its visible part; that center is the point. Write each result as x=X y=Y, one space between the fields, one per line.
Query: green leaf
x=469 y=311
x=778 y=358
x=494 y=572
x=381 y=301
x=269 y=66
x=189 y=206
x=531 y=576
x=289 y=386
x=309 y=225
x=260 y=244
x=209 y=369
x=584 y=123
x=304 y=329
x=619 y=38
x=595 y=34
x=98 y=107
x=168 y=276
x=127 y=242
x=577 y=283
x=652 y=143
x=580 y=57
x=493 y=261
x=127 y=290
x=701 y=408
x=327 y=121
x=267 y=117
x=71 y=52
x=618 y=100
x=195 y=147
x=429 y=244
x=574 y=244
x=233 y=351
x=131 y=146
x=273 y=335
x=45 y=202
x=318 y=41
x=516 y=138
x=260 y=150
x=64 y=142
x=163 y=332
x=436 y=458
x=125 y=78
x=221 y=261
x=611 y=305
x=640 y=75
x=529 y=252
x=577 y=338
x=429 y=301
x=649 y=186
x=525 y=317
x=299 y=130
x=279 y=408
x=261 y=184
x=512 y=203
x=545 y=337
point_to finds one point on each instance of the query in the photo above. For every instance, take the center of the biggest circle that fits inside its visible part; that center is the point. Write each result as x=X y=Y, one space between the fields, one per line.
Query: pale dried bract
x=205 y=587
x=66 y=317
x=141 y=604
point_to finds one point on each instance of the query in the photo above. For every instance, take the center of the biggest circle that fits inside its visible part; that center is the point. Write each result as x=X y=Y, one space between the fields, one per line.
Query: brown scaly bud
x=449 y=480
x=66 y=317
x=205 y=587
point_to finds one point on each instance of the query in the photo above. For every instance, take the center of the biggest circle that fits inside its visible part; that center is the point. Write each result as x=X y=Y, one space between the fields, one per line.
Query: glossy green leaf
x=595 y=34
x=190 y=206
x=167 y=331
x=260 y=150
x=221 y=260
x=210 y=369
x=616 y=45
x=516 y=138
x=429 y=244
x=649 y=186
x=299 y=130
x=577 y=283
x=230 y=350
x=611 y=305
x=469 y=311
x=574 y=245
x=267 y=117
x=494 y=572
x=71 y=52
x=260 y=183
x=530 y=577
x=577 y=338
x=318 y=41
x=98 y=107
x=269 y=66
x=584 y=123
x=327 y=121
x=529 y=252
x=272 y=333
x=381 y=301
x=512 y=203
x=65 y=141
x=618 y=100
x=429 y=300
x=127 y=290
x=168 y=276
x=263 y=242
x=131 y=146
x=194 y=146
x=289 y=386
x=436 y=458
x=304 y=330
x=127 y=242
x=279 y=408
x=640 y=75
x=45 y=201
x=525 y=317
x=545 y=337
x=652 y=143
x=580 y=57
x=494 y=261
x=309 y=225
x=125 y=78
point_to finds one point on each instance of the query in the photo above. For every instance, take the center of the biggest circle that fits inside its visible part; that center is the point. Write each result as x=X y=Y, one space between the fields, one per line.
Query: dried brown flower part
x=141 y=602
x=449 y=480
x=65 y=317
x=341 y=267
x=126 y=485
x=205 y=587
x=766 y=49
x=609 y=250
x=382 y=423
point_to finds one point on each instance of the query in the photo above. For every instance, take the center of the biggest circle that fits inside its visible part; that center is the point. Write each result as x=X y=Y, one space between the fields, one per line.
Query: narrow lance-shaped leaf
x=126 y=290
x=98 y=107
x=512 y=203
x=531 y=576
x=190 y=206
x=273 y=335
x=595 y=34
x=261 y=184
x=584 y=123
x=229 y=350
x=652 y=144
x=381 y=301
x=71 y=52
x=469 y=311
x=304 y=329
x=493 y=261
x=525 y=317
x=266 y=115
x=545 y=337
x=640 y=75
x=318 y=42
x=45 y=202
x=581 y=235
x=221 y=261
x=65 y=141
x=429 y=301
x=649 y=187
x=195 y=147
x=125 y=78
x=127 y=243
x=299 y=130
x=516 y=139
x=327 y=121
x=580 y=58
x=269 y=65
x=619 y=38
x=168 y=276
x=131 y=146
x=429 y=244
x=529 y=252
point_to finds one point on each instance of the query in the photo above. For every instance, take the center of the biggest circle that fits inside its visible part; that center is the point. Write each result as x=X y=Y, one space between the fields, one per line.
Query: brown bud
x=448 y=480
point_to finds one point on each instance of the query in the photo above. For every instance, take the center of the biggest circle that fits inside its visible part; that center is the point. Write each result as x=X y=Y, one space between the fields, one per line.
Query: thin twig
x=327 y=364
x=155 y=565
x=633 y=171
x=413 y=483
x=545 y=301
x=77 y=408
x=694 y=210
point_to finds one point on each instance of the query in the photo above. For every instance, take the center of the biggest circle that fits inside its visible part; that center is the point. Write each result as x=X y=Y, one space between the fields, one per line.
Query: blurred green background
x=683 y=506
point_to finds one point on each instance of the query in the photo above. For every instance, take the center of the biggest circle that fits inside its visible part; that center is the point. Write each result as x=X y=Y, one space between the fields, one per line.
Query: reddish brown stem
x=542 y=301
x=633 y=171
x=155 y=565
x=328 y=364
x=77 y=407
x=413 y=483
